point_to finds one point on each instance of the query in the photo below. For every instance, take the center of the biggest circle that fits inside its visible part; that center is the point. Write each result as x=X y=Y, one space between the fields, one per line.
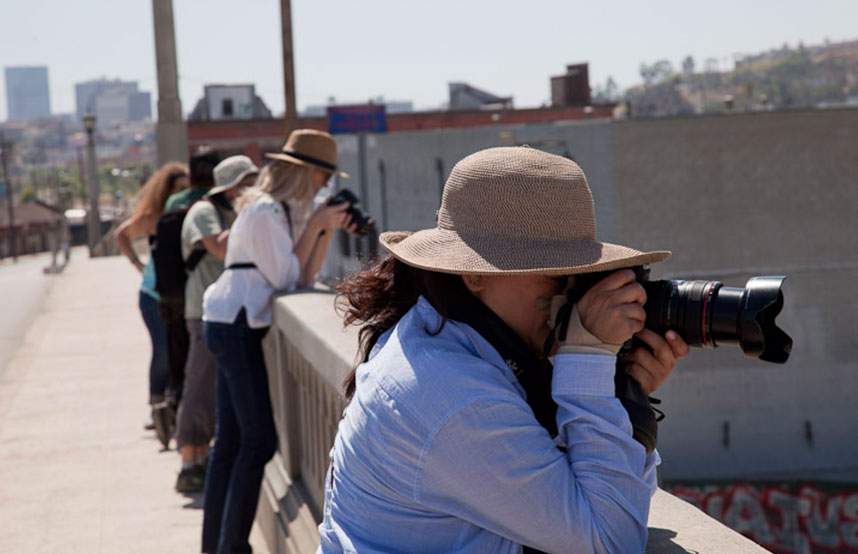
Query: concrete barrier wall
x=732 y=196
x=308 y=355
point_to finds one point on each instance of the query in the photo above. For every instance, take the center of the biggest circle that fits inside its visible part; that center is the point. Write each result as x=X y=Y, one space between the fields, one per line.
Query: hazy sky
x=401 y=49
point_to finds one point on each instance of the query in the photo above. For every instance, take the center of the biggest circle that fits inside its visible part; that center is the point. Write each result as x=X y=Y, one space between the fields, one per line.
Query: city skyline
x=401 y=52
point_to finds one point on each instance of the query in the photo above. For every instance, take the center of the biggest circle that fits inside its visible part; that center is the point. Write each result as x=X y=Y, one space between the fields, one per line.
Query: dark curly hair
x=378 y=297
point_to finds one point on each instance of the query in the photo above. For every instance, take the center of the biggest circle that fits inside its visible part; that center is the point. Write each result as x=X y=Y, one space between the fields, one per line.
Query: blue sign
x=365 y=118
x=2 y=189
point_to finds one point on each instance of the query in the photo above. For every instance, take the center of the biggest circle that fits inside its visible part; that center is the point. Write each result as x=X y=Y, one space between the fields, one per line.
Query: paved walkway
x=77 y=471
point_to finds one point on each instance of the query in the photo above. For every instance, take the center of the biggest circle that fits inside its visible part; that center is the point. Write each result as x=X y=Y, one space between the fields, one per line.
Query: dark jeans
x=245 y=437
x=178 y=343
x=159 y=364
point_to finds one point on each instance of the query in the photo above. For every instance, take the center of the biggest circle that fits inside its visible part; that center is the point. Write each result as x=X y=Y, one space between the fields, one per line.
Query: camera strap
x=288 y=219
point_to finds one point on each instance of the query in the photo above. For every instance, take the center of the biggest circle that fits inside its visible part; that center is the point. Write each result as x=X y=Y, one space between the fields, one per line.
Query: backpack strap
x=195 y=258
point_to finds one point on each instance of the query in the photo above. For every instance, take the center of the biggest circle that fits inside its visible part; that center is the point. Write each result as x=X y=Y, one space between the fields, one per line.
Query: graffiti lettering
x=785 y=518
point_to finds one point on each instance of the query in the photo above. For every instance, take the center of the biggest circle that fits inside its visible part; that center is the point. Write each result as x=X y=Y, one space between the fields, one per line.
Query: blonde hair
x=158 y=188
x=282 y=181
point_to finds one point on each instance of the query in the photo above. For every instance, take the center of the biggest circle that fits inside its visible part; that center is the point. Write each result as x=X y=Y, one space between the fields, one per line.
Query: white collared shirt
x=261 y=236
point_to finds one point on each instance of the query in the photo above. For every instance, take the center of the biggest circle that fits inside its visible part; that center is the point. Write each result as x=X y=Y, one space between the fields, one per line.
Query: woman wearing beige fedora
x=461 y=435
x=276 y=243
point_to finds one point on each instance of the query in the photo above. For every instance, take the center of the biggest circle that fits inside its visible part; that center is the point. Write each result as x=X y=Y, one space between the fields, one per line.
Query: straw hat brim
x=287 y=158
x=446 y=251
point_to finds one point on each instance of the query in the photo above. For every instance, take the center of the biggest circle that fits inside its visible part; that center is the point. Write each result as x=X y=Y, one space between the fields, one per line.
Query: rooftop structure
x=466 y=97
x=573 y=87
x=224 y=102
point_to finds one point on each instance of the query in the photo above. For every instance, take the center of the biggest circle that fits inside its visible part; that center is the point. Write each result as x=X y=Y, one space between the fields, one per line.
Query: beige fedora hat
x=311 y=148
x=515 y=210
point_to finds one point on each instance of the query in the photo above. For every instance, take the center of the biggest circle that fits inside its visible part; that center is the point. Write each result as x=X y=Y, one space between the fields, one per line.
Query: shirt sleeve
x=200 y=222
x=272 y=249
x=492 y=464
x=204 y=221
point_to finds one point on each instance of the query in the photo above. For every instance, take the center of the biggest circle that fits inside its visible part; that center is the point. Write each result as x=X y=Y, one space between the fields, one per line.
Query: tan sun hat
x=515 y=210
x=310 y=148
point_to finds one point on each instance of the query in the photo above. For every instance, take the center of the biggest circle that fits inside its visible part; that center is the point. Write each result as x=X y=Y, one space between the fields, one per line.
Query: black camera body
x=705 y=314
x=362 y=221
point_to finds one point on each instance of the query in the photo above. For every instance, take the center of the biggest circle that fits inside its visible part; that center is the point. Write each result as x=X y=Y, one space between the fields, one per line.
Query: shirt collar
x=466 y=335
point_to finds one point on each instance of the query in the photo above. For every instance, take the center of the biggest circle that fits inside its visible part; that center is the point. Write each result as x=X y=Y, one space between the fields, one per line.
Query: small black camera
x=362 y=221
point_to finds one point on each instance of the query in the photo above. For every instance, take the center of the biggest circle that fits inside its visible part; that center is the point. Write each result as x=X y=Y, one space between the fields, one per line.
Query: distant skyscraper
x=112 y=101
x=27 y=95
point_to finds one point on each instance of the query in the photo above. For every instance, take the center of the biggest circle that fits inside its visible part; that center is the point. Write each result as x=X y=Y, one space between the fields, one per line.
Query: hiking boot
x=201 y=469
x=190 y=480
x=164 y=419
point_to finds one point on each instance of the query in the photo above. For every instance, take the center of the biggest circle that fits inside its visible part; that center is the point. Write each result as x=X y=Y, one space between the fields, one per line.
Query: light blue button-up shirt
x=439 y=452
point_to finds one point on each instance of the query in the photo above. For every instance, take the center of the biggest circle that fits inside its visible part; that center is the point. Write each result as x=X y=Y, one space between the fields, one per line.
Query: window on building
x=226 y=107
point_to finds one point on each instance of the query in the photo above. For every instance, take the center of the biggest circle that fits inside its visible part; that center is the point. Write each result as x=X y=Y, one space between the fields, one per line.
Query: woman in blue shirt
x=461 y=435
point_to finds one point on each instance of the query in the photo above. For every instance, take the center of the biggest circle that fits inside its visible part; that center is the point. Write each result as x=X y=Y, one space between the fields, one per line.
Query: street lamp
x=93 y=219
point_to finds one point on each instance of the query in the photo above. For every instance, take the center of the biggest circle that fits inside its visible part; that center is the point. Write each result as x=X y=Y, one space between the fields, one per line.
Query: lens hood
x=760 y=336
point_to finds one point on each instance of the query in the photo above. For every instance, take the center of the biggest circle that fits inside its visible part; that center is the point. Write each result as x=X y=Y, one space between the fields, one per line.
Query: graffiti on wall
x=794 y=518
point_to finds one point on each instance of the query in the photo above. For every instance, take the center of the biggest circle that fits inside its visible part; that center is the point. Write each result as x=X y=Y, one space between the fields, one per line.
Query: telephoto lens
x=707 y=314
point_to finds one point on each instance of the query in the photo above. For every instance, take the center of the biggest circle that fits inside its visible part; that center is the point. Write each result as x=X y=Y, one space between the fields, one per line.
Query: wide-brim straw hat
x=230 y=172
x=310 y=148
x=515 y=210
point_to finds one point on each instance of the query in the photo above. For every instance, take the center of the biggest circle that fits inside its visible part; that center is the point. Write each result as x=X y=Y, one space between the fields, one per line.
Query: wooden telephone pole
x=171 y=134
x=291 y=114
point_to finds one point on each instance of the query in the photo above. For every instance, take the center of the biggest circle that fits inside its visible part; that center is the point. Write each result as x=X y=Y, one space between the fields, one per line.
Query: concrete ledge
x=675 y=526
x=288 y=515
x=308 y=319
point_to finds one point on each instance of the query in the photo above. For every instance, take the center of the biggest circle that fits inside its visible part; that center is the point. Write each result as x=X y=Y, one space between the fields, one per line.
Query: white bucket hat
x=230 y=172
x=515 y=210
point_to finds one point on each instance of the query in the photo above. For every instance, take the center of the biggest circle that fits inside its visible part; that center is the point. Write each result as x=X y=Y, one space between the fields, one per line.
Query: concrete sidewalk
x=77 y=471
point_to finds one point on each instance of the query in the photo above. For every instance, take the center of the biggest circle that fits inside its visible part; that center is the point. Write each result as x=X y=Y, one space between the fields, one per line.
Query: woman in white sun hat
x=461 y=434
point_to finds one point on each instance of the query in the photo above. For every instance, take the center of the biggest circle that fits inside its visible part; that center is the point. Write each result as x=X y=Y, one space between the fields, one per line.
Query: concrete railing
x=308 y=354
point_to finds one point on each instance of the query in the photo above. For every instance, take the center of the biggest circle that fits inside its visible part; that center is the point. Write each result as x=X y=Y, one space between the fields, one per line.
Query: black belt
x=242 y=265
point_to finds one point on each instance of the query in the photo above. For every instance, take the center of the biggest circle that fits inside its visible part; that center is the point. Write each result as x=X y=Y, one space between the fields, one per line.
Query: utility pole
x=5 y=149
x=171 y=133
x=291 y=114
x=93 y=220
